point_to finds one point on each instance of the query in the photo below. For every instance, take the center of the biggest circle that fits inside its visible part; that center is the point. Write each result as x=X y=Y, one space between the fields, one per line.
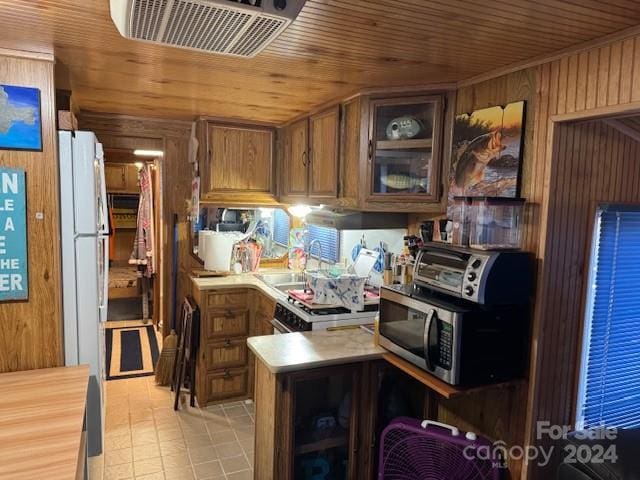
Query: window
x=609 y=391
x=281 y=227
x=329 y=239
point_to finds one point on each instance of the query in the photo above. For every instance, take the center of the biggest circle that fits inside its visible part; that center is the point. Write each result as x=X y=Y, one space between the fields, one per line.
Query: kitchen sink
x=288 y=280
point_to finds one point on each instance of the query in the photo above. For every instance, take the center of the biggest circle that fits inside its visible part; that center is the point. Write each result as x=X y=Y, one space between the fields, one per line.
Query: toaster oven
x=493 y=277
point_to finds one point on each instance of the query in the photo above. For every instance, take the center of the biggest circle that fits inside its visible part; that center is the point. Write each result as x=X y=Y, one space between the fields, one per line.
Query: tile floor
x=146 y=439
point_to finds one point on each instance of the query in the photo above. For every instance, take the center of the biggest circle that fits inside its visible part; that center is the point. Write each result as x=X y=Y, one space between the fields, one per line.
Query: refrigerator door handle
x=105 y=279
x=103 y=223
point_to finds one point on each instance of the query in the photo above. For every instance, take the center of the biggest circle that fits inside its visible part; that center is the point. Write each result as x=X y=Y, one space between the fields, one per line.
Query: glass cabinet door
x=324 y=424
x=404 y=147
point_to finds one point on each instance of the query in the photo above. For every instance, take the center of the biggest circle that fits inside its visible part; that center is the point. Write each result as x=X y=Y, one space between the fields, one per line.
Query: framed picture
x=20 y=120
x=487 y=152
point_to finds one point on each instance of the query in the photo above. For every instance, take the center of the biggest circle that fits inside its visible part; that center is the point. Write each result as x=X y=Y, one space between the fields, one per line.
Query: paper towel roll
x=218 y=250
x=202 y=248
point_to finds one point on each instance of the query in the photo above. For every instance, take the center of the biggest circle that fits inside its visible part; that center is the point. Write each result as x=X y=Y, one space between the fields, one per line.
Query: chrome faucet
x=311 y=244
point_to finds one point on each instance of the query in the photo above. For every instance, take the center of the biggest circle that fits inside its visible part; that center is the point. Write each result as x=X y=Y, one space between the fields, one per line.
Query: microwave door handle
x=427 y=339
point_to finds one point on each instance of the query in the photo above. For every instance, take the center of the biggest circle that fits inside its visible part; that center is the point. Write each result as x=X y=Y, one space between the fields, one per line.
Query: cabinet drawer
x=226 y=323
x=227 y=383
x=227 y=299
x=225 y=354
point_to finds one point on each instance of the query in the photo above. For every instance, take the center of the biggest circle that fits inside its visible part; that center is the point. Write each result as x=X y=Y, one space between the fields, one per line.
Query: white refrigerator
x=85 y=266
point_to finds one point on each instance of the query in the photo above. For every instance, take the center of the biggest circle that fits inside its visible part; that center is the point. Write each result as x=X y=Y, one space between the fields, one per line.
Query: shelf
x=437 y=385
x=340 y=439
x=404 y=144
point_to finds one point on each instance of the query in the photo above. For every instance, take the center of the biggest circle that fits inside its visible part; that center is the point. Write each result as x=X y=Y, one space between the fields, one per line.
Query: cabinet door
x=132 y=179
x=240 y=160
x=115 y=176
x=323 y=417
x=296 y=160
x=324 y=129
x=404 y=149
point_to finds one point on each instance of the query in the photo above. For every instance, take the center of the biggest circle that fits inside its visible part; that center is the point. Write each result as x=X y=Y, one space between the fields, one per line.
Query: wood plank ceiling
x=334 y=48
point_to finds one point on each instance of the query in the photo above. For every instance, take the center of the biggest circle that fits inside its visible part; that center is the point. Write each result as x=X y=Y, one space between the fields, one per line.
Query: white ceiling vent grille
x=216 y=26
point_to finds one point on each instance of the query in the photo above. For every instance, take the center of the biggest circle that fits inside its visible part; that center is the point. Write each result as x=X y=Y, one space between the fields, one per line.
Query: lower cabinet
x=317 y=420
x=228 y=383
x=225 y=366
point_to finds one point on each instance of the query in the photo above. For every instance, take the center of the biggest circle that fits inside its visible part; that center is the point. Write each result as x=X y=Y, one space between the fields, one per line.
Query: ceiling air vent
x=239 y=28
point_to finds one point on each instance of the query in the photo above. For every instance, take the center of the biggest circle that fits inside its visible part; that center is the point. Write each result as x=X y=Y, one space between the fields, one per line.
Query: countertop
x=241 y=280
x=41 y=419
x=321 y=348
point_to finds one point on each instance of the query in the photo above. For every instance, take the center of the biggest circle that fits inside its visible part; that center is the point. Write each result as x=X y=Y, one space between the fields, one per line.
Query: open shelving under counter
x=442 y=388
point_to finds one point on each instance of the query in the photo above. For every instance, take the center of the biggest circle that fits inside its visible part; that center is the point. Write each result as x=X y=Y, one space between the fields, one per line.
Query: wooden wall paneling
x=611 y=75
x=31 y=331
x=593 y=163
x=500 y=414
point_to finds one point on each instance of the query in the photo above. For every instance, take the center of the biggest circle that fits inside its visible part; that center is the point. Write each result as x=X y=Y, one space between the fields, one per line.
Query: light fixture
x=148 y=153
x=139 y=165
x=299 y=211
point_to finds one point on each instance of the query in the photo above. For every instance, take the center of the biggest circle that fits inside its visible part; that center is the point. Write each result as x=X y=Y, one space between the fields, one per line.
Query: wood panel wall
x=500 y=413
x=594 y=163
x=124 y=132
x=31 y=331
x=596 y=82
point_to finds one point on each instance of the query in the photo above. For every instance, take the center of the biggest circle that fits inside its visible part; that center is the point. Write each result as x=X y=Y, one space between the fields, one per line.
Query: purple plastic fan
x=415 y=450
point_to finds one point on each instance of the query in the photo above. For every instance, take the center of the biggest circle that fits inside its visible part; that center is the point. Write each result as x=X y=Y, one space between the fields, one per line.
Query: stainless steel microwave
x=458 y=343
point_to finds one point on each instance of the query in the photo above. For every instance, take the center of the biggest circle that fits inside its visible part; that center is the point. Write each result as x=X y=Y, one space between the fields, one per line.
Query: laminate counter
x=42 y=415
x=241 y=280
x=321 y=348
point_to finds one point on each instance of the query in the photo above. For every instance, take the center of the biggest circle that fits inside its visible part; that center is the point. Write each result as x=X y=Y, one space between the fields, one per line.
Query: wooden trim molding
x=42 y=56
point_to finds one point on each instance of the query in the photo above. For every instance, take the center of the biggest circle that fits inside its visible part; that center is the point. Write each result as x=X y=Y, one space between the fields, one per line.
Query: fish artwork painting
x=487 y=152
x=20 y=121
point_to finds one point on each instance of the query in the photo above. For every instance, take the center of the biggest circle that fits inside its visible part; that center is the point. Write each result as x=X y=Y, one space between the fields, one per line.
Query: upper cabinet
x=403 y=152
x=324 y=129
x=310 y=159
x=295 y=159
x=236 y=163
x=121 y=177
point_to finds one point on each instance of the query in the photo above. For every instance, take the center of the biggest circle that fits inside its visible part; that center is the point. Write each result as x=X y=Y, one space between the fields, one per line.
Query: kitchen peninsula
x=311 y=395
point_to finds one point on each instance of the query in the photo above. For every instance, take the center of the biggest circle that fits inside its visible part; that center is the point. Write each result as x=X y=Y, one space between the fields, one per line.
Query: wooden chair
x=186 y=354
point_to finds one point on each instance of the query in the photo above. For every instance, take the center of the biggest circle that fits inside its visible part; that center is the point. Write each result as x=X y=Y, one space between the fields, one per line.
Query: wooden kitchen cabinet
x=228 y=316
x=236 y=163
x=121 y=177
x=295 y=176
x=404 y=149
x=307 y=420
x=310 y=158
x=223 y=368
x=324 y=128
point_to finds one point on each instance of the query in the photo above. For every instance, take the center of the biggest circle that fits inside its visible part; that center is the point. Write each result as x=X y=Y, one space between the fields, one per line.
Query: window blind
x=281 y=227
x=329 y=239
x=609 y=392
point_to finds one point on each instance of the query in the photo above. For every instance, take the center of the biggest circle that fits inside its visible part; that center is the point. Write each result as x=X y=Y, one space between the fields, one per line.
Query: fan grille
x=410 y=454
x=146 y=18
x=203 y=25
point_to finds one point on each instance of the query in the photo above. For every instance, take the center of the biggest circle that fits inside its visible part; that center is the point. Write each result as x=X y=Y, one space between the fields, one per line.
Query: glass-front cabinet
x=404 y=148
x=323 y=427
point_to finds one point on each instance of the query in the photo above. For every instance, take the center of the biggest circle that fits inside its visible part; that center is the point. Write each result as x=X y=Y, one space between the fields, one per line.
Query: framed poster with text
x=14 y=284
